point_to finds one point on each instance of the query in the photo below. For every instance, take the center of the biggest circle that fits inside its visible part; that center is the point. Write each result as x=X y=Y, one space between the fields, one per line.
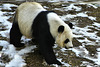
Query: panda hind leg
x=15 y=35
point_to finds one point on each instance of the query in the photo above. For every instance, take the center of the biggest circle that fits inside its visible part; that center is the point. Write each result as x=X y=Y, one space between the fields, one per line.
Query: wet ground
x=86 y=20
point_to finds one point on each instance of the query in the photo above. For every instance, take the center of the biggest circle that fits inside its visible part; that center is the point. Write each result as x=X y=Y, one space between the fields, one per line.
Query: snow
x=78 y=15
x=8 y=6
x=90 y=5
x=97 y=25
x=26 y=50
x=73 y=7
x=17 y=61
x=8 y=49
x=15 y=55
x=81 y=51
x=65 y=64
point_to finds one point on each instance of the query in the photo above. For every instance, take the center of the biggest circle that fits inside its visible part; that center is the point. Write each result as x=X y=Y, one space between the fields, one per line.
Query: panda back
x=26 y=15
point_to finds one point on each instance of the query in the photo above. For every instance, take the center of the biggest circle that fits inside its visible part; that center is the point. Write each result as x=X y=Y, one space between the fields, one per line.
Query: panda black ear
x=61 y=29
x=70 y=25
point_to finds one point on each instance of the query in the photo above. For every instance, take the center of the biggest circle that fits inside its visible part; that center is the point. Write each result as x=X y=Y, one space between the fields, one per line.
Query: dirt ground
x=35 y=59
x=71 y=58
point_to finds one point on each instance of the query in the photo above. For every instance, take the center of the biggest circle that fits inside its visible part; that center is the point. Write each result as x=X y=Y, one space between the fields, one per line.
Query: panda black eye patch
x=66 y=41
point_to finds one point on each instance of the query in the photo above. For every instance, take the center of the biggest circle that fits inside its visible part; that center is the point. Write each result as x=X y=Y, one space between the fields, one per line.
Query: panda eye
x=66 y=41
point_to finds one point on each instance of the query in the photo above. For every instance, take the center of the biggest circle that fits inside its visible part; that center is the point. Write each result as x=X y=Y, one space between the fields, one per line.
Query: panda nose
x=68 y=47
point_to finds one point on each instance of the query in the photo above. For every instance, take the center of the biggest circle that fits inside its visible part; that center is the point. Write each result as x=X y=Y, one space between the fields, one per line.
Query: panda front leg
x=15 y=35
x=47 y=51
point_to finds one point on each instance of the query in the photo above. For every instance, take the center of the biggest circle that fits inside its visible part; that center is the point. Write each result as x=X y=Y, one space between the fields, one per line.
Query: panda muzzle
x=67 y=47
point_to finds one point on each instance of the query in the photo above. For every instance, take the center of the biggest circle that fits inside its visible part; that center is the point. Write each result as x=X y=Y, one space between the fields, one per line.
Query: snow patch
x=15 y=56
x=8 y=6
x=17 y=61
x=73 y=7
x=77 y=15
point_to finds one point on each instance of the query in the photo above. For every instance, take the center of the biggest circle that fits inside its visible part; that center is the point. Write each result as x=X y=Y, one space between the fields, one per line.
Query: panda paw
x=55 y=62
x=19 y=45
x=58 y=63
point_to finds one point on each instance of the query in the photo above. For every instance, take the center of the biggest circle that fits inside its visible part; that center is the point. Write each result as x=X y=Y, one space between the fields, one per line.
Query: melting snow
x=78 y=15
x=8 y=49
x=17 y=56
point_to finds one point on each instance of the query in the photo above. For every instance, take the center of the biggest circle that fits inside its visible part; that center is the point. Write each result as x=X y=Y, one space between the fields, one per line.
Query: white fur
x=55 y=22
x=26 y=15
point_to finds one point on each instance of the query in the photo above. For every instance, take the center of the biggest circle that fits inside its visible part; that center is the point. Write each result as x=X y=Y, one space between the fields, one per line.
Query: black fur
x=61 y=29
x=41 y=32
x=70 y=25
x=66 y=41
x=15 y=34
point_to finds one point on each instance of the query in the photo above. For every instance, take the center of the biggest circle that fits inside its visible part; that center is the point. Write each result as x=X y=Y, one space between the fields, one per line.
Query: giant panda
x=46 y=27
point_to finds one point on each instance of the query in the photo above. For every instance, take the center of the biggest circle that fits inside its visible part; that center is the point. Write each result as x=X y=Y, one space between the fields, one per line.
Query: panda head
x=65 y=36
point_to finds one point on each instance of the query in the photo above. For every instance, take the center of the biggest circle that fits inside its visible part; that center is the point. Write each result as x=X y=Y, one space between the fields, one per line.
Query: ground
x=85 y=18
